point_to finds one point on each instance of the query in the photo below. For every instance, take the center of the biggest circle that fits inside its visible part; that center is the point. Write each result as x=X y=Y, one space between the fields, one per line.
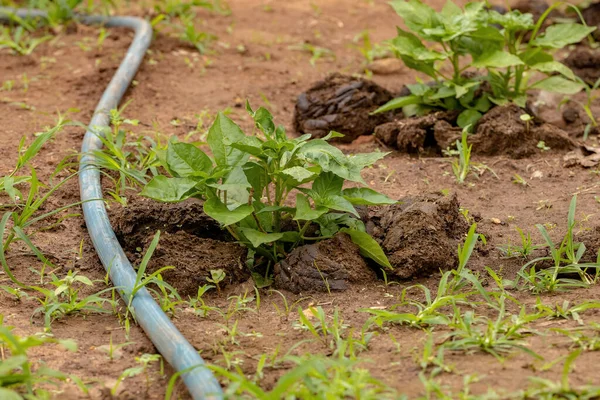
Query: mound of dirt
x=420 y=234
x=585 y=63
x=428 y=134
x=327 y=265
x=341 y=103
x=499 y=131
x=190 y=241
x=591 y=16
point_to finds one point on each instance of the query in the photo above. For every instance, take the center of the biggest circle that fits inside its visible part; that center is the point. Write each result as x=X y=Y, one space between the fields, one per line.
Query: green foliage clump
x=17 y=373
x=272 y=193
x=463 y=49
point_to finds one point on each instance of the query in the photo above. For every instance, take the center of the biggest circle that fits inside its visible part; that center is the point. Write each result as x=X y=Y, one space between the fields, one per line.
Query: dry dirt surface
x=176 y=91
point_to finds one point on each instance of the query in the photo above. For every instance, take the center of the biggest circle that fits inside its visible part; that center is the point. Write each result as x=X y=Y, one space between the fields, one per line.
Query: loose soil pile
x=343 y=104
x=191 y=242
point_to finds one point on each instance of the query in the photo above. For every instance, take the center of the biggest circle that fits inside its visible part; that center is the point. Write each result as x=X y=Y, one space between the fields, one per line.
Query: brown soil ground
x=173 y=87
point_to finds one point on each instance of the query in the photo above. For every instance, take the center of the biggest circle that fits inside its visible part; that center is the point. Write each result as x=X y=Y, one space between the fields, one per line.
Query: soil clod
x=329 y=265
x=190 y=241
x=585 y=63
x=419 y=234
x=341 y=103
x=499 y=132
x=428 y=134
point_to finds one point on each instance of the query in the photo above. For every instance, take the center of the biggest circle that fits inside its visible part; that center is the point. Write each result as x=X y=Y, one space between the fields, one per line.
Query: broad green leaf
x=185 y=159
x=450 y=10
x=236 y=179
x=410 y=45
x=338 y=203
x=368 y=246
x=332 y=135
x=512 y=21
x=249 y=144
x=468 y=118
x=257 y=177
x=270 y=209
x=362 y=160
x=217 y=210
x=398 y=102
x=304 y=211
x=264 y=121
x=497 y=59
x=416 y=15
x=258 y=238
x=221 y=135
x=166 y=189
x=558 y=84
x=443 y=92
x=298 y=174
x=236 y=185
x=418 y=89
x=330 y=159
x=327 y=184
x=8 y=394
x=426 y=67
x=366 y=196
x=560 y=35
x=487 y=33
x=554 y=66
x=534 y=56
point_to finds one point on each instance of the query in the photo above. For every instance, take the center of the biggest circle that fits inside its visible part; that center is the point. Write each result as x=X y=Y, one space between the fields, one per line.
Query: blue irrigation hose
x=174 y=348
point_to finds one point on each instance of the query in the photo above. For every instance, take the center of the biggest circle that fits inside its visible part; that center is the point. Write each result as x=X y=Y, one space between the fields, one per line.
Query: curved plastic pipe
x=168 y=340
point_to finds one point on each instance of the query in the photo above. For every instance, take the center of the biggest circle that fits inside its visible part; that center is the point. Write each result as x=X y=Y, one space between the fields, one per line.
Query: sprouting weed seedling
x=216 y=276
x=287 y=307
x=581 y=337
x=198 y=304
x=114 y=351
x=316 y=52
x=566 y=310
x=432 y=358
x=370 y=51
x=519 y=180
x=250 y=183
x=541 y=388
x=565 y=259
x=524 y=250
x=198 y=39
x=144 y=361
x=527 y=119
x=497 y=337
x=131 y=158
x=19 y=378
x=542 y=146
x=462 y=165
x=591 y=96
x=20 y=40
x=65 y=299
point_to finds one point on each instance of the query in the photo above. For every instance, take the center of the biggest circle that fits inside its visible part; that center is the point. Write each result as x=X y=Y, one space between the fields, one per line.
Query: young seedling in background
x=316 y=51
x=216 y=276
x=369 y=50
x=527 y=119
x=477 y=44
x=20 y=40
